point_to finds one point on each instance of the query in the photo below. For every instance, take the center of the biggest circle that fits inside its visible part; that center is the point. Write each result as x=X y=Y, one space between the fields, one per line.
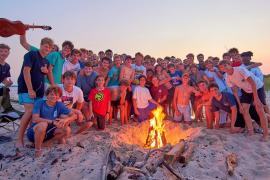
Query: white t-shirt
x=69 y=98
x=239 y=79
x=142 y=95
x=68 y=66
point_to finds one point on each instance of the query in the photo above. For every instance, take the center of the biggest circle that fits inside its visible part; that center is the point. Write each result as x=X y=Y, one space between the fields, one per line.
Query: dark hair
x=68 y=43
x=108 y=50
x=170 y=65
x=142 y=76
x=139 y=54
x=223 y=62
x=212 y=85
x=88 y=64
x=247 y=54
x=225 y=54
x=75 y=51
x=4 y=46
x=124 y=82
x=128 y=57
x=57 y=90
x=105 y=59
x=69 y=74
x=202 y=81
x=233 y=50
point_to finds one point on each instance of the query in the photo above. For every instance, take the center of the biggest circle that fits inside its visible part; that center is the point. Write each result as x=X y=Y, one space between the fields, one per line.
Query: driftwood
x=115 y=171
x=185 y=157
x=154 y=160
x=231 y=163
x=174 y=154
x=168 y=167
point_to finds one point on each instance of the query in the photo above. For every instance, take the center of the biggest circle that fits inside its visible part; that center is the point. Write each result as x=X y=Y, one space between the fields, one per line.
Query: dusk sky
x=155 y=27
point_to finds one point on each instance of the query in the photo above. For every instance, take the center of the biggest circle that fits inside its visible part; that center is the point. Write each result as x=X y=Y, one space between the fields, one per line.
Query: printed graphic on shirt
x=99 y=96
x=68 y=101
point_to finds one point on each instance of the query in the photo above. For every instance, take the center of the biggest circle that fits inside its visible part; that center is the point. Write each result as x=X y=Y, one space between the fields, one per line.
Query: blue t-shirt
x=220 y=82
x=114 y=76
x=86 y=83
x=48 y=112
x=4 y=72
x=225 y=103
x=174 y=75
x=35 y=61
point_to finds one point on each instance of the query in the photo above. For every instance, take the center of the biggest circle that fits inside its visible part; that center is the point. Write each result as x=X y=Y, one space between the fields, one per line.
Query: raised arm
x=24 y=42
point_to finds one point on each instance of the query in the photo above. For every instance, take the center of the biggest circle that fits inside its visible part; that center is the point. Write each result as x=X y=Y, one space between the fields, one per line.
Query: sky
x=155 y=27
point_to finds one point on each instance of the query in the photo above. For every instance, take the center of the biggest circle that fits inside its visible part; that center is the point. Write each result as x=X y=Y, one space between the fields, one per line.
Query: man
x=252 y=89
x=5 y=80
x=31 y=82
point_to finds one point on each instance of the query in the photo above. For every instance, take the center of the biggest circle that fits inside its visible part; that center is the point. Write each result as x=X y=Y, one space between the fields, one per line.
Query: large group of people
x=60 y=87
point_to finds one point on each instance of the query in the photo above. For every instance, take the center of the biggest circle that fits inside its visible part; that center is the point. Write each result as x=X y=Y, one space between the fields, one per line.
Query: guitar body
x=9 y=28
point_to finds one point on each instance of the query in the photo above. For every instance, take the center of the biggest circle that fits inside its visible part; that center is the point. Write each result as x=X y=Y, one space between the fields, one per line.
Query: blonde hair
x=47 y=40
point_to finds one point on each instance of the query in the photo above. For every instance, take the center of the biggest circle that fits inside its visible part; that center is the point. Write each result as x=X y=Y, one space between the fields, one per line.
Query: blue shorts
x=145 y=112
x=185 y=113
x=25 y=99
x=49 y=133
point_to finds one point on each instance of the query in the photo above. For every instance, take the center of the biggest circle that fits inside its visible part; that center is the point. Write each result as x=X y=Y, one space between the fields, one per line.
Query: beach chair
x=9 y=118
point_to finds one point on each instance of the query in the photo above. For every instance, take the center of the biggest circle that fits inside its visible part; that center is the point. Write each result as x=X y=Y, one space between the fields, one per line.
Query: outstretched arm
x=24 y=42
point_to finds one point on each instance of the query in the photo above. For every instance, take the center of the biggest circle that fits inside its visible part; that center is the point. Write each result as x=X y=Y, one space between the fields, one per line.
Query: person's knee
x=40 y=127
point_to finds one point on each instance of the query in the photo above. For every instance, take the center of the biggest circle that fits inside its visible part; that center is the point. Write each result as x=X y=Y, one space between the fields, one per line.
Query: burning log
x=174 y=154
x=231 y=163
x=185 y=157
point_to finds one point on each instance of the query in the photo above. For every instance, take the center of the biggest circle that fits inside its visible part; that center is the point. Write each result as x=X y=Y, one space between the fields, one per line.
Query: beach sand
x=85 y=161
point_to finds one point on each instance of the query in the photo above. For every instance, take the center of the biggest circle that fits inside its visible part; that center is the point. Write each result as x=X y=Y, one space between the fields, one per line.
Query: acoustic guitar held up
x=9 y=28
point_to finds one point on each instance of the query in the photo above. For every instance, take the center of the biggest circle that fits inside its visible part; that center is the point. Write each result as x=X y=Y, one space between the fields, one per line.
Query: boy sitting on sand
x=49 y=120
x=182 y=97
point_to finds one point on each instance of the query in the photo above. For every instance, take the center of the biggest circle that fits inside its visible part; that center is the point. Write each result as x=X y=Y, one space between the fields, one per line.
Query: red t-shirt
x=159 y=92
x=100 y=100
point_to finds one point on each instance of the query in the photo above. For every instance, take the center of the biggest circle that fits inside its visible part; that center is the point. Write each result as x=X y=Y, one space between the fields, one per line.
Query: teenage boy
x=100 y=103
x=138 y=68
x=142 y=100
x=201 y=65
x=113 y=74
x=31 y=83
x=50 y=120
x=5 y=80
x=159 y=92
x=86 y=81
x=225 y=101
x=72 y=64
x=124 y=98
x=181 y=99
x=72 y=97
x=252 y=89
x=104 y=67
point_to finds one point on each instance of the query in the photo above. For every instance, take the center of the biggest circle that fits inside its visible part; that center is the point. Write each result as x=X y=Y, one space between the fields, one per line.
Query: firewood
x=231 y=163
x=174 y=154
x=115 y=172
x=185 y=157
x=170 y=169
x=154 y=160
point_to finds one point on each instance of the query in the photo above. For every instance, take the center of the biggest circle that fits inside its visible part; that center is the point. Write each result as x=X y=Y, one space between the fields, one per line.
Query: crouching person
x=50 y=120
x=142 y=100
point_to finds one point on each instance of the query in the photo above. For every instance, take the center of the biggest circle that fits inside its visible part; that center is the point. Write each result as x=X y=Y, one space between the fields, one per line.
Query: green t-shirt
x=33 y=48
x=57 y=61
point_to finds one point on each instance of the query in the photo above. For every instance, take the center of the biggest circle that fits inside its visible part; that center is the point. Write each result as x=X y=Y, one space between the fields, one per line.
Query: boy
x=72 y=97
x=50 y=120
x=182 y=97
x=31 y=83
x=113 y=74
x=72 y=64
x=86 y=81
x=252 y=89
x=138 y=68
x=142 y=100
x=124 y=98
x=104 y=67
x=159 y=92
x=100 y=102
x=5 y=80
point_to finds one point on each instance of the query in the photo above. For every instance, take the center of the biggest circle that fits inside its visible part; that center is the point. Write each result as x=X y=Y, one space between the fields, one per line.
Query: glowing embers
x=156 y=132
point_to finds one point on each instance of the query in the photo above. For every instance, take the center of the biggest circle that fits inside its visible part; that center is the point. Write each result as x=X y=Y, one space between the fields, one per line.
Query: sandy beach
x=84 y=155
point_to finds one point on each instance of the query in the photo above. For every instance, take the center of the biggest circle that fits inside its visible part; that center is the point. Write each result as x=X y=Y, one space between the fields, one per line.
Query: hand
x=107 y=116
x=7 y=82
x=44 y=69
x=61 y=122
x=32 y=94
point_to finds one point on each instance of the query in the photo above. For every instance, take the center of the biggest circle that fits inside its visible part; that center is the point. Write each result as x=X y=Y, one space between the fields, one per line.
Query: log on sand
x=185 y=157
x=174 y=154
x=231 y=163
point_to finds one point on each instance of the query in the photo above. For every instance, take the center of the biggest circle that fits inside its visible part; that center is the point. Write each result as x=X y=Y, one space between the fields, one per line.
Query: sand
x=85 y=162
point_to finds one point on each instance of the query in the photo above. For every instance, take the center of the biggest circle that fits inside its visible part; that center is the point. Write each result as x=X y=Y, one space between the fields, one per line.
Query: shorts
x=247 y=98
x=145 y=112
x=49 y=133
x=115 y=103
x=185 y=113
x=25 y=99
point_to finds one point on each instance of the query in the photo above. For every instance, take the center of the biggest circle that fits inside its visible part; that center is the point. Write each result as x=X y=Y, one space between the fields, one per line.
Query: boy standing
x=182 y=97
x=72 y=64
x=31 y=82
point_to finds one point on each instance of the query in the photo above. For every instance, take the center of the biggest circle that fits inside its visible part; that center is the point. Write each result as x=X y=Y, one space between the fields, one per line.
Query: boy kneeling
x=50 y=120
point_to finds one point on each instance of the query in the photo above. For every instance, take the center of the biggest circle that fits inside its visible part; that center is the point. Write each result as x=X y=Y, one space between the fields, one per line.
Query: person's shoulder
x=39 y=102
x=76 y=88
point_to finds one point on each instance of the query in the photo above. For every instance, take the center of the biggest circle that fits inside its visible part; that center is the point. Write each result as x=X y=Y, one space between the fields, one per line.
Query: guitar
x=9 y=28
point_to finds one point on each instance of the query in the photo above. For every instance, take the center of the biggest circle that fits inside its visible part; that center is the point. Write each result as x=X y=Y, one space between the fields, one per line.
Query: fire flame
x=156 y=135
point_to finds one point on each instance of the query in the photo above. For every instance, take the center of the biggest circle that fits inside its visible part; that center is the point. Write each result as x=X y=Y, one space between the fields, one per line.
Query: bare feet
x=38 y=153
x=236 y=130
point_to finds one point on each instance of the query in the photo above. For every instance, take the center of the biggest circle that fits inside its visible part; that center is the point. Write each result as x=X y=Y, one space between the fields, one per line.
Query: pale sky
x=155 y=27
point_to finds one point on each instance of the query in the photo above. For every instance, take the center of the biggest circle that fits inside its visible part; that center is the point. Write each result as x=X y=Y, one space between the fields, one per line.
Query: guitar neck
x=33 y=26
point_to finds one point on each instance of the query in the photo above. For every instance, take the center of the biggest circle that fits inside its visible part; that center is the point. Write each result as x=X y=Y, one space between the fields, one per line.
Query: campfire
x=156 y=132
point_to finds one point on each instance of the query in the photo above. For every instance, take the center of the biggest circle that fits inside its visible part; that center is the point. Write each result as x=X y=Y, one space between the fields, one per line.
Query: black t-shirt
x=4 y=72
x=35 y=61
x=225 y=103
